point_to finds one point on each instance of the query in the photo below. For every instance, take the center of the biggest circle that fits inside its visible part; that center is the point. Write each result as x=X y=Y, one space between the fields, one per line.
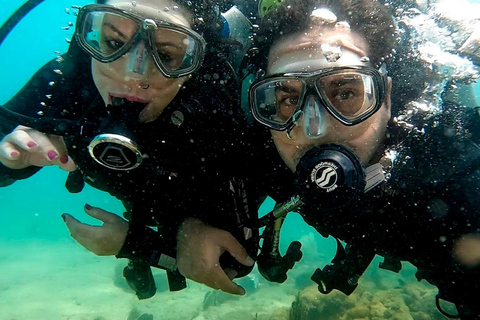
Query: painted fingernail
x=63 y=217
x=63 y=159
x=52 y=155
x=14 y=153
x=32 y=144
x=87 y=206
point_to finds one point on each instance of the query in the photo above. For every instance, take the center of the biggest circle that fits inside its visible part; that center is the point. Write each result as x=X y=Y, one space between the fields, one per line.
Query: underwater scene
x=47 y=274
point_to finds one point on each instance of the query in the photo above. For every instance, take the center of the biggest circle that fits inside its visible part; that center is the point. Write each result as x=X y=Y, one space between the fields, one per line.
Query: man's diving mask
x=349 y=94
x=107 y=33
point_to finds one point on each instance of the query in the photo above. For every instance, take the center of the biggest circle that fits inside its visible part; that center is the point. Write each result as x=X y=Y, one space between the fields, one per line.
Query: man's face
x=303 y=53
x=152 y=88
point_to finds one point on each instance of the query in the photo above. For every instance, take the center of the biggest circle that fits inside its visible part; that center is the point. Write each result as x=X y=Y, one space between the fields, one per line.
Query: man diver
x=405 y=192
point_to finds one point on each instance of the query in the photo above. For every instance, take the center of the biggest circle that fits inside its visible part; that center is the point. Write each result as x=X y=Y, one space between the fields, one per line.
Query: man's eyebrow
x=343 y=81
x=280 y=87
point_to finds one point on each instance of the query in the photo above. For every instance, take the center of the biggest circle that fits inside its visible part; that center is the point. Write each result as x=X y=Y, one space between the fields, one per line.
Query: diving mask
x=107 y=33
x=349 y=94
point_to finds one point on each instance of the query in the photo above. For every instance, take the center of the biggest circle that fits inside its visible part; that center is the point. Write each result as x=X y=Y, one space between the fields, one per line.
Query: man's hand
x=198 y=252
x=25 y=147
x=103 y=240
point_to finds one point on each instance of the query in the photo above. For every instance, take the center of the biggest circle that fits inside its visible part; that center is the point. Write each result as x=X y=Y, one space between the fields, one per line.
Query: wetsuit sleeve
x=9 y=176
x=61 y=88
x=155 y=248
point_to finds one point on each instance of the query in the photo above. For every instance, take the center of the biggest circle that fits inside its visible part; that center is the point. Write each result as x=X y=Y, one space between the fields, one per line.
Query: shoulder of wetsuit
x=63 y=87
x=446 y=145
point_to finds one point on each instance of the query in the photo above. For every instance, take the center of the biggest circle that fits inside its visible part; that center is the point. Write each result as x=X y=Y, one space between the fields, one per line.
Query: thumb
x=237 y=251
x=75 y=227
x=70 y=221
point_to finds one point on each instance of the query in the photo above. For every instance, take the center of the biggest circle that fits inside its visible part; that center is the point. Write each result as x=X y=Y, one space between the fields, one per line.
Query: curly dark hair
x=206 y=15
x=368 y=18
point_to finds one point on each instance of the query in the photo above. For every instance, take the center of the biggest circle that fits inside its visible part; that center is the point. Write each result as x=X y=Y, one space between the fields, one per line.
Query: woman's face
x=114 y=79
x=305 y=52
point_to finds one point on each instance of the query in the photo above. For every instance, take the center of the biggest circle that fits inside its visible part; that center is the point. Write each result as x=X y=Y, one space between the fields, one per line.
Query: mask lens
x=350 y=94
x=105 y=34
x=176 y=51
x=275 y=101
x=108 y=33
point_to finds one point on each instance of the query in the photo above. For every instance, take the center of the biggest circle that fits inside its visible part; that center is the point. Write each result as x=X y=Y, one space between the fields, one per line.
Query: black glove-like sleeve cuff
x=146 y=245
x=9 y=176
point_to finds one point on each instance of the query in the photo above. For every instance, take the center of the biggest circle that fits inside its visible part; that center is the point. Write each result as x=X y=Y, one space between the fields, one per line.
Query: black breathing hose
x=16 y=17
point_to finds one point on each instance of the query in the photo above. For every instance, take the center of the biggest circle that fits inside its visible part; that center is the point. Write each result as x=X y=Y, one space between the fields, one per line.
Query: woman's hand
x=25 y=147
x=104 y=240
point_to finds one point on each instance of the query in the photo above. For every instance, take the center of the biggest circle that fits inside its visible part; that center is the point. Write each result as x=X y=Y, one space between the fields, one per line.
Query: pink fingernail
x=52 y=155
x=63 y=159
x=32 y=144
x=87 y=206
x=14 y=154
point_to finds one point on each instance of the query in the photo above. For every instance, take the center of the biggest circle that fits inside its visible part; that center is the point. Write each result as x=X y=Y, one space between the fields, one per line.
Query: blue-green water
x=47 y=275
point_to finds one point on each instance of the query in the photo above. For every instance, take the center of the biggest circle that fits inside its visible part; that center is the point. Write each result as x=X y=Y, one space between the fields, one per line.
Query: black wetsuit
x=431 y=200
x=192 y=170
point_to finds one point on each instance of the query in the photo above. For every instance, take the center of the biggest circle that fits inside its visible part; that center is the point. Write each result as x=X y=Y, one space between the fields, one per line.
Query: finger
x=100 y=214
x=218 y=279
x=28 y=150
x=22 y=139
x=45 y=144
x=63 y=161
x=231 y=274
x=79 y=230
x=67 y=163
x=9 y=151
x=237 y=251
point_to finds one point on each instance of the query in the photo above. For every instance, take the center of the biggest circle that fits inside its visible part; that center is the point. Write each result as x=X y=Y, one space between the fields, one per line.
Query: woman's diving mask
x=108 y=33
x=349 y=94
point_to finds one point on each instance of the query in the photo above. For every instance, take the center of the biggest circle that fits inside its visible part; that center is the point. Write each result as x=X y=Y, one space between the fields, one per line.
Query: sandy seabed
x=60 y=280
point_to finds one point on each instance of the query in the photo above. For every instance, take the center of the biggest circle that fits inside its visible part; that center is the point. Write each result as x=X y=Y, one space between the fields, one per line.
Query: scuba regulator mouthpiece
x=115 y=148
x=331 y=176
x=328 y=177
